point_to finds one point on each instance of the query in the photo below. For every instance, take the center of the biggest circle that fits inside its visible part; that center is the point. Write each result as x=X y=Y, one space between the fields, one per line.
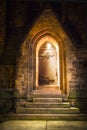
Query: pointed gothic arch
x=49 y=62
x=46 y=26
x=37 y=41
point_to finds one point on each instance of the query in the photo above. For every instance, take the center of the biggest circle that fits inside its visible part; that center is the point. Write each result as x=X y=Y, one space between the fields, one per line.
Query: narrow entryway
x=48 y=65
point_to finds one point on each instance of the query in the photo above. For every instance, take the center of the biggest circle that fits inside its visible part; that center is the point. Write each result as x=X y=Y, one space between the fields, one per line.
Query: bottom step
x=70 y=110
x=45 y=117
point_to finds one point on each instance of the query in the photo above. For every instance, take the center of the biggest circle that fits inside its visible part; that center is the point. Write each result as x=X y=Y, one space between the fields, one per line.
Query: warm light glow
x=54 y=43
x=48 y=45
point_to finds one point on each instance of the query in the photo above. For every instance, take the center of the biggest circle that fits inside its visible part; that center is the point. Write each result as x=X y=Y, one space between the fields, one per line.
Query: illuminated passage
x=48 y=66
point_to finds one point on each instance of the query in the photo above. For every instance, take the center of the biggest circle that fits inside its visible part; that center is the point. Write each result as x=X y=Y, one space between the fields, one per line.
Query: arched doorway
x=47 y=66
x=47 y=63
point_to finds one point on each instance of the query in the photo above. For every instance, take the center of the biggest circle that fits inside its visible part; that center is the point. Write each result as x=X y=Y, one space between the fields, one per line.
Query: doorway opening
x=47 y=64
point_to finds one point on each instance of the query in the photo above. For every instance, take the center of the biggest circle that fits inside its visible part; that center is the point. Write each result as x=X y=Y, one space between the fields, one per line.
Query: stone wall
x=2 y=24
x=25 y=64
x=15 y=17
x=78 y=77
x=6 y=87
x=78 y=70
x=75 y=14
x=21 y=79
x=74 y=61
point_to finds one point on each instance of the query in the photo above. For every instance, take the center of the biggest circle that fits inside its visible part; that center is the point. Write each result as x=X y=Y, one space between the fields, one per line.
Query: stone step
x=68 y=117
x=48 y=91
x=47 y=95
x=47 y=100
x=46 y=87
x=47 y=105
x=71 y=110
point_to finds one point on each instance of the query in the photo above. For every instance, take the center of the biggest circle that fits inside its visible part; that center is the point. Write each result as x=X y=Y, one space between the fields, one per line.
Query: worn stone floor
x=43 y=125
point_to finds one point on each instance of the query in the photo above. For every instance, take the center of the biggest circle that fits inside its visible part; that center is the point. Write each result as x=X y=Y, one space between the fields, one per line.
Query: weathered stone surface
x=7 y=76
x=6 y=106
x=74 y=60
x=2 y=24
x=6 y=88
x=26 y=60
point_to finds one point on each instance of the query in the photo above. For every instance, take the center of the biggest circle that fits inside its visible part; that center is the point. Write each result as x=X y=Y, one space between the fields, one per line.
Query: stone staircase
x=47 y=106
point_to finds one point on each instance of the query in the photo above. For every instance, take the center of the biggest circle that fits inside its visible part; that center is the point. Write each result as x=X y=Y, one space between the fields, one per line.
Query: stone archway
x=43 y=31
x=47 y=63
x=56 y=78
